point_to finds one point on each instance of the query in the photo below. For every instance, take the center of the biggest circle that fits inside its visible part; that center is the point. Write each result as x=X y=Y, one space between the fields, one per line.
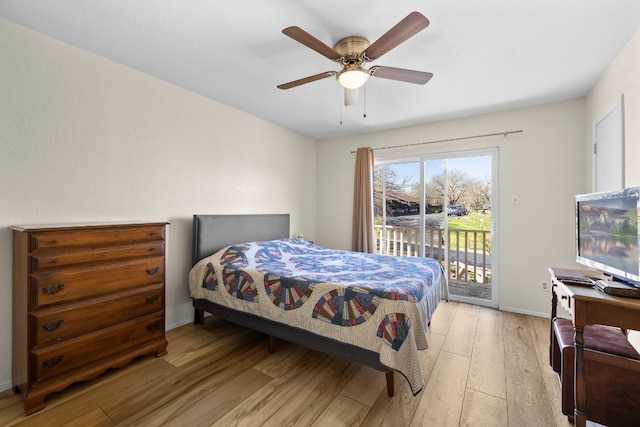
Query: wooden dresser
x=86 y=298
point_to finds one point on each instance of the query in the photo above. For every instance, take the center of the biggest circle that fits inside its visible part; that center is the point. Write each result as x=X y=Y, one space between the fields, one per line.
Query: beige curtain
x=362 y=235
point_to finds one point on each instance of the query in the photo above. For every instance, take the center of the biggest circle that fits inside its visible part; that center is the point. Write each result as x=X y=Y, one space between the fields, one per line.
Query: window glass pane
x=397 y=208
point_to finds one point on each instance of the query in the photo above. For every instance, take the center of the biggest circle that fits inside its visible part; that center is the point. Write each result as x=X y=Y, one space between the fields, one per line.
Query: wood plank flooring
x=483 y=367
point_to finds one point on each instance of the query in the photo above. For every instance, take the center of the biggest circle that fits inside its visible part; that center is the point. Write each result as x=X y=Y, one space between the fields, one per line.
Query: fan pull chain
x=364 y=101
x=341 y=107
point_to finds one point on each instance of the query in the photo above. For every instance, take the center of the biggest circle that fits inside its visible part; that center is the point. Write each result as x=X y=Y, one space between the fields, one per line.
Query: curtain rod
x=447 y=140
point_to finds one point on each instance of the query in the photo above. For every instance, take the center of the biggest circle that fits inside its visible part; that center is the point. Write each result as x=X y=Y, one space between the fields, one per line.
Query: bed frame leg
x=272 y=344
x=198 y=317
x=390 y=387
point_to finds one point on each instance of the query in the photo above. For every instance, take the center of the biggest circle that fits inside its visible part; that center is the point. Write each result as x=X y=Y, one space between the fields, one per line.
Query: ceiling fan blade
x=301 y=36
x=411 y=25
x=400 y=74
x=306 y=80
x=350 y=96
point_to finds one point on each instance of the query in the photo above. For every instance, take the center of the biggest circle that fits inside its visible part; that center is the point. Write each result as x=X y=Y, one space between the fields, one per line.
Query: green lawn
x=474 y=221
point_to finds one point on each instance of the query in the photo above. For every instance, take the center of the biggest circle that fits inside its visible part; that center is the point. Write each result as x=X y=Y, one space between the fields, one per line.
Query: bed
x=351 y=305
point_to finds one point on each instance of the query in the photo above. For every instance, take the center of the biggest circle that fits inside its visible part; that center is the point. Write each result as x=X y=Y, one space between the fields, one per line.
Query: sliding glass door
x=441 y=207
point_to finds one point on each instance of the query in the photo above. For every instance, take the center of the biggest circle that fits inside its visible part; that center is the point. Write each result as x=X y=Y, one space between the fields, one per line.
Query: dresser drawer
x=563 y=297
x=71 y=285
x=73 y=355
x=71 y=320
x=91 y=238
x=58 y=259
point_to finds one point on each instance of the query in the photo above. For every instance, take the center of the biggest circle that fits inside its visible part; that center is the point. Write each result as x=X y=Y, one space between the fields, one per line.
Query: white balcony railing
x=469 y=251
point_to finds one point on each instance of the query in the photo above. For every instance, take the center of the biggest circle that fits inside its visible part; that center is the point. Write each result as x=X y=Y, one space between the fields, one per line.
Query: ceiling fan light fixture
x=352 y=78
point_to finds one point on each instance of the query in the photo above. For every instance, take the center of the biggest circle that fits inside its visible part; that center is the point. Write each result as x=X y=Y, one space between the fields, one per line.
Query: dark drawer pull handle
x=52 y=290
x=152 y=327
x=152 y=271
x=54 y=242
x=52 y=362
x=152 y=298
x=53 y=325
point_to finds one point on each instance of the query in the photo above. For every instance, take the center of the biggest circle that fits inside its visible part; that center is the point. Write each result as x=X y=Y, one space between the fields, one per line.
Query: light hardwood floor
x=483 y=368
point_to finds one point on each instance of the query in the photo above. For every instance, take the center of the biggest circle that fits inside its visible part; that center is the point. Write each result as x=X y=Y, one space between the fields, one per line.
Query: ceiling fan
x=353 y=52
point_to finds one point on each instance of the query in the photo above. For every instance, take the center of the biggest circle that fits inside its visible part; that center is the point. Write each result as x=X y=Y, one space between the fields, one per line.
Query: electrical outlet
x=544 y=287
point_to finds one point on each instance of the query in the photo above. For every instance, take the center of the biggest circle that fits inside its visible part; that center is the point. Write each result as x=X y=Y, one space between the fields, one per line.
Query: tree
x=393 y=183
x=457 y=186
x=462 y=189
x=480 y=194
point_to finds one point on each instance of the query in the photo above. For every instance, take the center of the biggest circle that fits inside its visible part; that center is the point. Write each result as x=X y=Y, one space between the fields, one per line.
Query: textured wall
x=621 y=77
x=544 y=166
x=84 y=139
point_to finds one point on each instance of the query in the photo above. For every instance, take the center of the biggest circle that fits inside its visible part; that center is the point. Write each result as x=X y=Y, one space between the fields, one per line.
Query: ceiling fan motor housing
x=351 y=46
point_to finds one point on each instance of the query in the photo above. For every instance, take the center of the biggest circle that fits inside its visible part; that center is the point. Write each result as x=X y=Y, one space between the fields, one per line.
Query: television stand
x=590 y=306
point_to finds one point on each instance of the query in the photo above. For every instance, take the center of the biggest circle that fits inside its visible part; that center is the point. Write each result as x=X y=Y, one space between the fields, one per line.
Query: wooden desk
x=588 y=306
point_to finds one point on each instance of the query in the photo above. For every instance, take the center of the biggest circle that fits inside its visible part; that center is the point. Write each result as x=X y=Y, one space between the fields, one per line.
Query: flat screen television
x=607 y=233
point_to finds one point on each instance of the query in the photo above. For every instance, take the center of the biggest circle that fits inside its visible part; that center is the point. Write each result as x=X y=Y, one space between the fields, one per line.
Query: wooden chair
x=611 y=369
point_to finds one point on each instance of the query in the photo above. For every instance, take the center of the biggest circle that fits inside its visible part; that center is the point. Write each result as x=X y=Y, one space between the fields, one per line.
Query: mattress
x=376 y=302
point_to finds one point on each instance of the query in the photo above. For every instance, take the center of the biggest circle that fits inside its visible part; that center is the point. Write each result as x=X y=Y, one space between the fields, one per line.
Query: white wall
x=621 y=77
x=544 y=166
x=85 y=139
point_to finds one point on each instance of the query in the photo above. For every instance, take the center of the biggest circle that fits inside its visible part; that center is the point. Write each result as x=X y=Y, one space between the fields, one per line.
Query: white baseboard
x=5 y=386
x=178 y=323
x=521 y=311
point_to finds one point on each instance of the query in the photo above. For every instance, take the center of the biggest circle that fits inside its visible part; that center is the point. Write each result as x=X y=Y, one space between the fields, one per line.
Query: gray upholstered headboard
x=213 y=232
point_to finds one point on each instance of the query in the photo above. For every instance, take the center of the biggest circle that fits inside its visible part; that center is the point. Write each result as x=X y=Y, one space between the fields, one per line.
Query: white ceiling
x=485 y=55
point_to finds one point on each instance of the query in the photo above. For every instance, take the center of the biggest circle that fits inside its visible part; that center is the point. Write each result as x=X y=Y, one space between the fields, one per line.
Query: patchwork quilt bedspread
x=377 y=302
